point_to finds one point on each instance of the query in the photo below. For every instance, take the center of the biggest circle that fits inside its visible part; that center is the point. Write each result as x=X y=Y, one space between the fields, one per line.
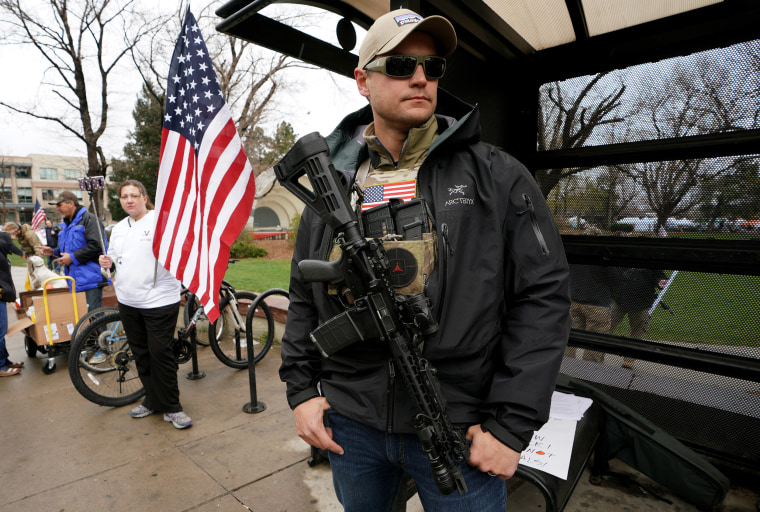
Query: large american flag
x=205 y=184
x=38 y=217
x=376 y=195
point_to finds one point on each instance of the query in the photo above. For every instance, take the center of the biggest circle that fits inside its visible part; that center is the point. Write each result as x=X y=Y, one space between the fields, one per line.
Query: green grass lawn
x=258 y=275
x=718 y=309
x=16 y=261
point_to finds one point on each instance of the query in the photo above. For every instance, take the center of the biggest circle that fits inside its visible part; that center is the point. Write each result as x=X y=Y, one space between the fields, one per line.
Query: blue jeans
x=3 y=331
x=94 y=298
x=368 y=474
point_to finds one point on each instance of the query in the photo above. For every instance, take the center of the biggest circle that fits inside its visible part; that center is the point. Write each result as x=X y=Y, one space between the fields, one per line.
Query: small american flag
x=205 y=184
x=39 y=215
x=378 y=194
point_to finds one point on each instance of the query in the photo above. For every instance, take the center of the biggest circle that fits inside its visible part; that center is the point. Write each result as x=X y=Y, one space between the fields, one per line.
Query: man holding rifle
x=496 y=277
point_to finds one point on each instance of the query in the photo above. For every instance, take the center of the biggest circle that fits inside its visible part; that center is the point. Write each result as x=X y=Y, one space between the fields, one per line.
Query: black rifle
x=377 y=312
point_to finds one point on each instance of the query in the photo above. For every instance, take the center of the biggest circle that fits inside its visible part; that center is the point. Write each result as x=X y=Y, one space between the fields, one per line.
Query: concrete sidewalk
x=62 y=452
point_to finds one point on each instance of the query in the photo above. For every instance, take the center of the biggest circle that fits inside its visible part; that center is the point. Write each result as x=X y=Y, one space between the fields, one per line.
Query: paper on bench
x=551 y=447
x=569 y=407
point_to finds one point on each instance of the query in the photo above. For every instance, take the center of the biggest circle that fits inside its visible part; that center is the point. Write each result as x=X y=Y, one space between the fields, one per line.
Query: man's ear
x=362 y=77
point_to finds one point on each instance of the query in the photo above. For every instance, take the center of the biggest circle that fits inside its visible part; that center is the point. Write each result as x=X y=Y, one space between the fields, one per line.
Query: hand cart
x=51 y=336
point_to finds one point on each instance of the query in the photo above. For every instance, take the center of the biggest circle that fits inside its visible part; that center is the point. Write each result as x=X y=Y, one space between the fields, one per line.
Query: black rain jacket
x=500 y=292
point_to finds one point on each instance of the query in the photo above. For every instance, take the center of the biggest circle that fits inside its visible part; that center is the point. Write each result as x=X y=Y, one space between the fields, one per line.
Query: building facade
x=274 y=207
x=42 y=178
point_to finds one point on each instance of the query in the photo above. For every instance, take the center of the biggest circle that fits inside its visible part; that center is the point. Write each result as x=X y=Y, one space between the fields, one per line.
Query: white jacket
x=140 y=282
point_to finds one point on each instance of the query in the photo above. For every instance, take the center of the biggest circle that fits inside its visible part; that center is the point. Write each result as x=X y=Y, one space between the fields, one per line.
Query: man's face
x=66 y=208
x=400 y=104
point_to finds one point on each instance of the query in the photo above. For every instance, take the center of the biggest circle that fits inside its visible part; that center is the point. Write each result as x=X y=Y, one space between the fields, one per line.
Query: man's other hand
x=489 y=455
x=310 y=425
x=45 y=250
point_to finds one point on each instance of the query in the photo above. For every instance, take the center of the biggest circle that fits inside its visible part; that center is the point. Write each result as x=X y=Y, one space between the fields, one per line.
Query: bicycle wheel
x=260 y=330
x=88 y=317
x=228 y=337
x=201 y=326
x=114 y=381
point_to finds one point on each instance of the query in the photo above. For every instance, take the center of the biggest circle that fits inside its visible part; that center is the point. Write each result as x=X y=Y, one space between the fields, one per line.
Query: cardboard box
x=62 y=318
x=19 y=325
x=26 y=297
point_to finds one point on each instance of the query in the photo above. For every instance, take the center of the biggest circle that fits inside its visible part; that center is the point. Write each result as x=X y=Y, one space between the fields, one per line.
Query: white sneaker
x=178 y=419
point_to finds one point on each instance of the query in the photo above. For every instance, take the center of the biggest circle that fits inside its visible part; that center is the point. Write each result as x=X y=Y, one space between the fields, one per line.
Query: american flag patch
x=378 y=194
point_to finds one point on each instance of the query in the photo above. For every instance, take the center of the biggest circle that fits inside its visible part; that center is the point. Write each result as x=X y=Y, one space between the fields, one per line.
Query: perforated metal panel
x=691 y=199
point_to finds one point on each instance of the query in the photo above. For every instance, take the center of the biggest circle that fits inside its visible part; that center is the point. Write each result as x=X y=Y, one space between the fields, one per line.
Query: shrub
x=619 y=226
x=241 y=249
x=293 y=229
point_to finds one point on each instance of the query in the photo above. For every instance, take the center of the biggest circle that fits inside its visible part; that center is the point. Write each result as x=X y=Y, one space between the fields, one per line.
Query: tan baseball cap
x=389 y=30
x=65 y=196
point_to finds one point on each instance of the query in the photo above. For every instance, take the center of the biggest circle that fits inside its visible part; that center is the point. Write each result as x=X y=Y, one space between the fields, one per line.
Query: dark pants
x=151 y=334
x=53 y=265
x=94 y=298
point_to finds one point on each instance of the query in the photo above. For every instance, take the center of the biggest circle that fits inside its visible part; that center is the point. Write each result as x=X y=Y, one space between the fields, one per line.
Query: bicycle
x=115 y=382
x=201 y=327
x=228 y=335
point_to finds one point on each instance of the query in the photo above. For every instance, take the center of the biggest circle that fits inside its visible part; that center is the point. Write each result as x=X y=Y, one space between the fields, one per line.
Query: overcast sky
x=317 y=102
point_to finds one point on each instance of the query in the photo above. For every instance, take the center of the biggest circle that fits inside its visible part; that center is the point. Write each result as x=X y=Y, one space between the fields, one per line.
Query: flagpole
x=662 y=293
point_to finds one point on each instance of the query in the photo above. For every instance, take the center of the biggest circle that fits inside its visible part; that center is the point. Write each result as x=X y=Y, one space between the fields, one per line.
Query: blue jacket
x=80 y=239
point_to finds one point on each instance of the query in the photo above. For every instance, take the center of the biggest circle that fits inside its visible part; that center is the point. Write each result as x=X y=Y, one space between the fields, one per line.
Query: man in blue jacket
x=79 y=245
x=499 y=288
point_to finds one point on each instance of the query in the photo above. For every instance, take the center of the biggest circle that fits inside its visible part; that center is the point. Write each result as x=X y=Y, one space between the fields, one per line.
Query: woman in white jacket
x=148 y=297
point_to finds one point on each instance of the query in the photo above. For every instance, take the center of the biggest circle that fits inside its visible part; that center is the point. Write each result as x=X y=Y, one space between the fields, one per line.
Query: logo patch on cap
x=405 y=19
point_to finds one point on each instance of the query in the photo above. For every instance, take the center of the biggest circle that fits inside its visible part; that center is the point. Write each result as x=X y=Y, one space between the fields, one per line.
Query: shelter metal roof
x=568 y=34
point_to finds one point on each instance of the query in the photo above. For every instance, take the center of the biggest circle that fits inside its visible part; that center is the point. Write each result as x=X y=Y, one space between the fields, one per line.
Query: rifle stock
x=377 y=312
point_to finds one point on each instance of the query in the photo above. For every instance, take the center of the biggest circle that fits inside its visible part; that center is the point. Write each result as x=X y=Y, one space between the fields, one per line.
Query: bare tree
x=249 y=76
x=696 y=100
x=617 y=191
x=82 y=41
x=569 y=120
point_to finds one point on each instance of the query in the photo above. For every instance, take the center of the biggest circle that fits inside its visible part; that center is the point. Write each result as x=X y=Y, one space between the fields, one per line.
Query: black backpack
x=628 y=436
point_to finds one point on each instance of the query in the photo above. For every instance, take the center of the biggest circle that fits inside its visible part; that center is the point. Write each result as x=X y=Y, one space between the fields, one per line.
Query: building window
x=77 y=193
x=24 y=195
x=22 y=172
x=47 y=173
x=264 y=217
x=71 y=174
x=49 y=194
x=8 y=195
x=25 y=217
x=6 y=171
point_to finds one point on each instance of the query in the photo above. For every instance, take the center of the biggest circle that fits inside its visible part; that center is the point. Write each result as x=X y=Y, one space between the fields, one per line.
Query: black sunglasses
x=404 y=66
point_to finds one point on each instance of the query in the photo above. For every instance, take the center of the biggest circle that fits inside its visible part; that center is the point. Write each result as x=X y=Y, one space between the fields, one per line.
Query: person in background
x=591 y=295
x=27 y=239
x=79 y=245
x=51 y=234
x=500 y=297
x=148 y=297
x=633 y=295
x=7 y=294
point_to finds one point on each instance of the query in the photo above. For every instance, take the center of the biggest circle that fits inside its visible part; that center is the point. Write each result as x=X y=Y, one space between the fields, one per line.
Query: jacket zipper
x=391 y=387
x=534 y=222
x=447 y=249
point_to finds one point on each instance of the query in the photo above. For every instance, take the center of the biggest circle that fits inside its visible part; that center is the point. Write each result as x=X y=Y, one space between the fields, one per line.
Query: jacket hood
x=458 y=122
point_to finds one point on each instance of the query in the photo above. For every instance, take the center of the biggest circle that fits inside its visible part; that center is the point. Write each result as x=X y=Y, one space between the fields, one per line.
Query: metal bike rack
x=254 y=405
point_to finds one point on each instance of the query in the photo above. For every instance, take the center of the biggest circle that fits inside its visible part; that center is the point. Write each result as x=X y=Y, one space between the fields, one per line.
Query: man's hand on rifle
x=310 y=425
x=489 y=455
